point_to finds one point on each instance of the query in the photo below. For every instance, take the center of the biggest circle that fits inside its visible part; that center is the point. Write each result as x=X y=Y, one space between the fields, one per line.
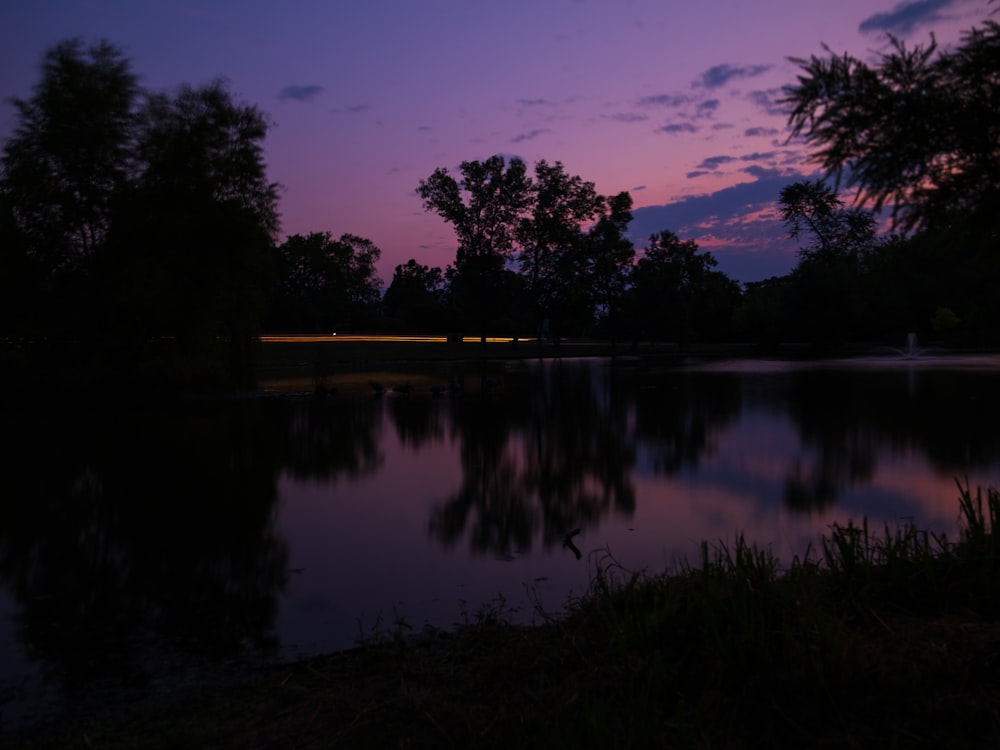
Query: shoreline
x=880 y=639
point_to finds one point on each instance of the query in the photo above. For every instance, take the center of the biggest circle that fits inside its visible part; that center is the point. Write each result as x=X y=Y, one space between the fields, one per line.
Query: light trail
x=374 y=338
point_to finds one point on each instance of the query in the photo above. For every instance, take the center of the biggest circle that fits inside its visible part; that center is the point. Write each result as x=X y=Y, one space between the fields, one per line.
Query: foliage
x=417 y=298
x=677 y=294
x=485 y=208
x=918 y=130
x=567 y=241
x=609 y=257
x=550 y=234
x=322 y=284
x=71 y=152
x=814 y=207
x=884 y=637
x=65 y=165
x=138 y=215
x=190 y=252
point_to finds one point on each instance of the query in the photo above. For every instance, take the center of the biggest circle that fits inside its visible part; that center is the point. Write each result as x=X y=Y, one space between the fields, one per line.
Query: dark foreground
x=883 y=638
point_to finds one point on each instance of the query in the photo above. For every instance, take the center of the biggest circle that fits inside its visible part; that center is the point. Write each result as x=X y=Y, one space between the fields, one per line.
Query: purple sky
x=672 y=101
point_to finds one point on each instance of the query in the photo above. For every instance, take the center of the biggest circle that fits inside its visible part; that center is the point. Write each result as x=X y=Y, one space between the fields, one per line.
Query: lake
x=143 y=547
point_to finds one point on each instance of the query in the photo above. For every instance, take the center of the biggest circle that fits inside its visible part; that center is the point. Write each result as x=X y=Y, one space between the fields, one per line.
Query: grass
x=885 y=638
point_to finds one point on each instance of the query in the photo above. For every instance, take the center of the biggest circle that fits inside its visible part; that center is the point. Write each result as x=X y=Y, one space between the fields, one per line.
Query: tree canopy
x=919 y=130
x=322 y=284
x=138 y=215
x=814 y=208
x=72 y=152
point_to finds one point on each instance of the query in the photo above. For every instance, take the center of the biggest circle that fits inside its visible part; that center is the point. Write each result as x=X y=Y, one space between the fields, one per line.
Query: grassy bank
x=877 y=638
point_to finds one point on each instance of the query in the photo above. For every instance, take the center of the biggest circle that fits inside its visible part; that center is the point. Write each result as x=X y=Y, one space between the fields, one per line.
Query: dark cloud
x=759 y=156
x=906 y=17
x=531 y=134
x=748 y=245
x=353 y=109
x=708 y=106
x=714 y=162
x=759 y=131
x=638 y=188
x=532 y=102
x=719 y=75
x=768 y=101
x=300 y=93
x=628 y=117
x=664 y=100
x=678 y=127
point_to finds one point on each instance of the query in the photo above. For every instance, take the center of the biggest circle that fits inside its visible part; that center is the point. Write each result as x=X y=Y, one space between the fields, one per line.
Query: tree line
x=131 y=218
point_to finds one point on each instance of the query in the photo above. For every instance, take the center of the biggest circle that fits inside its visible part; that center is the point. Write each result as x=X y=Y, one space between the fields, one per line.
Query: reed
x=875 y=637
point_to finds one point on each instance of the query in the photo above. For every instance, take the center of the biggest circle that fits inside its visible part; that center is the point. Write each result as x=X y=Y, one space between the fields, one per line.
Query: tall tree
x=814 y=208
x=417 y=297
x=68 y=160
x=678 y=294
x=153 y=210
x=552 y=229
x=919 y=130
x=193 y=240
x=610 y=257
x=322 y=283
x=485 y=208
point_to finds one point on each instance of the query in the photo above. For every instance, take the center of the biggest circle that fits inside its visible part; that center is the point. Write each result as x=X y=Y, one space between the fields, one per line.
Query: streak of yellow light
x=306 y=338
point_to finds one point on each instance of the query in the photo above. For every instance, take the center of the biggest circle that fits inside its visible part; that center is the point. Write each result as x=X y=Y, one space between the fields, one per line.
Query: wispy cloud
x=352 y=109
x=300 y=93
x=530 y=135
x=677 y=128
x=768 y=101
x=720 y=75
x=707 y=107
x=628 y=117
x=906 y=17
x=736 y=223
x=759 y=131
x=714 y=162
x=664 y=100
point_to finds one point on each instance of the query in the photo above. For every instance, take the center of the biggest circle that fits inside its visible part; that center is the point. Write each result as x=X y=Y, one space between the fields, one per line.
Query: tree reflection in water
x=848 y=418
x=134 y=541
x=548 y=454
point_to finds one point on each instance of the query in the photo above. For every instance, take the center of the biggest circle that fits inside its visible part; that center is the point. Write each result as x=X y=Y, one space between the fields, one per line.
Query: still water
x=142 y=547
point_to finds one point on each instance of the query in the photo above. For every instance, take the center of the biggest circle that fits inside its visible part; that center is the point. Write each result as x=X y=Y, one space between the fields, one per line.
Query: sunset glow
x=673 y=102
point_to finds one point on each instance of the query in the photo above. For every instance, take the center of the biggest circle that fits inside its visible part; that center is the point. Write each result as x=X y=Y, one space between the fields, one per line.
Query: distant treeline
x=131 y=218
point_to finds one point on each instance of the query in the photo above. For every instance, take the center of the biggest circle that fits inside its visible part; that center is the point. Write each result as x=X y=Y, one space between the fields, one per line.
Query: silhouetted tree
x=918 y=130
x=485 y=209
x=68 y=160
x=417 y=297
x=197 y=226
x=322 y=283
x=610 y=254
x=829 y=298
x=837 y=231
x=678 y=295
x=560 y=204
x=144 y=215
x=761 y=314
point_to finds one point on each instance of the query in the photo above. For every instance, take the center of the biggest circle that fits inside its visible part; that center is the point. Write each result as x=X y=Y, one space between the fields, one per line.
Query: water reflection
x=847 y=419
x=131 y=542
x=553 y=454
